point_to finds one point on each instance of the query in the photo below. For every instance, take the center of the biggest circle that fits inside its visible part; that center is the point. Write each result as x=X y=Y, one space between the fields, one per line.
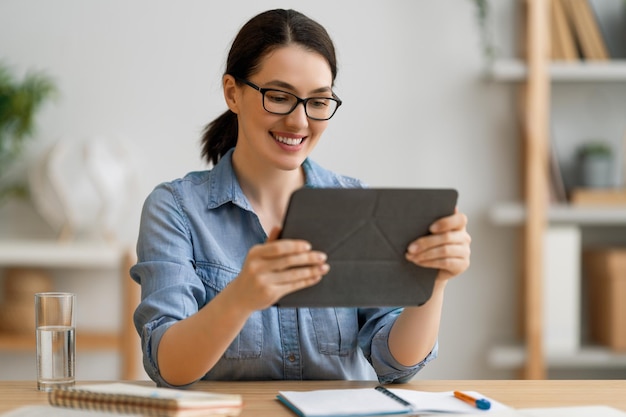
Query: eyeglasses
x=282 y=102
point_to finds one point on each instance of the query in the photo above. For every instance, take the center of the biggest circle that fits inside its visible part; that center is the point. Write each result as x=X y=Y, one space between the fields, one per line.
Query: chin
x=290 y=163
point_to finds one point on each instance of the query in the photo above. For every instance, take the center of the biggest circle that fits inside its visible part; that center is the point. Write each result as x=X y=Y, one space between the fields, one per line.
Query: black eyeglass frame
x=298 y=100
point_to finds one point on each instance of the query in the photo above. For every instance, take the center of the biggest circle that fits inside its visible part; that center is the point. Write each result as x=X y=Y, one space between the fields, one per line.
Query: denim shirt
x=194 y=235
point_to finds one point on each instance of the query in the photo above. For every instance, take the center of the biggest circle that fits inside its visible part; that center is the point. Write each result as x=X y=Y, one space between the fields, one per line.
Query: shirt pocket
x=336 y=330
x=249 y=342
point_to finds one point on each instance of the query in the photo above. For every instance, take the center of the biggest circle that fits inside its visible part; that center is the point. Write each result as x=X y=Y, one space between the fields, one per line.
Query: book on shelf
x=562 y=38
x=584 y=24
x=145 y=400
x=599 y=197
x=611 y=17
x=556 y=183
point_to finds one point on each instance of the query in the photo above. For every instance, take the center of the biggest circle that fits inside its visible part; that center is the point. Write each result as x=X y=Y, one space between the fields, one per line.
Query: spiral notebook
x=146 y=401
x=360 y=402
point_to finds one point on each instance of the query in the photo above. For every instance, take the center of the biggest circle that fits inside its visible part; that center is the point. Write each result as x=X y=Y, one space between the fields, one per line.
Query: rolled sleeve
x=374 y=340
x=388 y=369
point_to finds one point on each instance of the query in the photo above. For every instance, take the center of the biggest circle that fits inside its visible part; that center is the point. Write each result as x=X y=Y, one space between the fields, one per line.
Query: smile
x=288 y=141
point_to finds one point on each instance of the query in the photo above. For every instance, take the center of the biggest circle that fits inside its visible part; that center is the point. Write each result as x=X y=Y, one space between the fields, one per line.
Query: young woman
x=209 y=261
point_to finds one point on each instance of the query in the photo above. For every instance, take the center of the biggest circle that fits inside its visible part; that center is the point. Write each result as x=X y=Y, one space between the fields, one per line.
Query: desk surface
x=260 y=397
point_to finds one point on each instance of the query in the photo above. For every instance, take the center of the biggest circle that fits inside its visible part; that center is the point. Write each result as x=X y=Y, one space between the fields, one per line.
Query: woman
x=211 y=266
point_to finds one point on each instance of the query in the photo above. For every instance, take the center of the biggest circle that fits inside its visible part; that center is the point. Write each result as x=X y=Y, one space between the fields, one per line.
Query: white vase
x=82 y=189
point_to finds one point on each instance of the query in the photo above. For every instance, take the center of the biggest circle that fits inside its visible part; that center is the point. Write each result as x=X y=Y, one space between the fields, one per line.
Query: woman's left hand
x=446 y=249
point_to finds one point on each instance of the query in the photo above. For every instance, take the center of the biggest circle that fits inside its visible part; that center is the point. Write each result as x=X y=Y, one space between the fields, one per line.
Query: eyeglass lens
x=281 y=102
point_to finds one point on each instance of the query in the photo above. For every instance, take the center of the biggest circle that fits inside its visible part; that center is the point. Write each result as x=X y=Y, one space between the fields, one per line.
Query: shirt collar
x=225 y=188
x=312 y=177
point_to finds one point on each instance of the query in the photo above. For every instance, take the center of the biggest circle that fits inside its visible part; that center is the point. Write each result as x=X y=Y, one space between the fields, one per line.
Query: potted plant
x=19 y=102
x=595 y=161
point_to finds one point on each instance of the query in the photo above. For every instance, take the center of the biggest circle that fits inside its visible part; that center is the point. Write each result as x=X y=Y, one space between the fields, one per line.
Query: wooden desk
x=260 y=397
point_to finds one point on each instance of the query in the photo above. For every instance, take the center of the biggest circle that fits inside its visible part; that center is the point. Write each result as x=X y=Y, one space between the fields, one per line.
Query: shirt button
x=292 y=358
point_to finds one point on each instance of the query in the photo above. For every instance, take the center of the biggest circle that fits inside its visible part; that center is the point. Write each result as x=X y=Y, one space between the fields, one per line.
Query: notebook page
x=341 y=402
x=445 y=402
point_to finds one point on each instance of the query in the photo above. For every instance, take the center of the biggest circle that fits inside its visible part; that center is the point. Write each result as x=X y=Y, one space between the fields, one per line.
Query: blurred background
x=137 y=81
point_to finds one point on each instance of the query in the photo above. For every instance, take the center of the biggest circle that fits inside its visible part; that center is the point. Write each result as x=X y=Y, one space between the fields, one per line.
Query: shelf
x=54 y=254
x=84 y=341
x=596 y=357
x=51 y=254
x=514 y=214
x=511 y=70
x=541 y=225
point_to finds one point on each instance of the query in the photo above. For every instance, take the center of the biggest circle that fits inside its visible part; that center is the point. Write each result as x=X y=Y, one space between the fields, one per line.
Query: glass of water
x=56 y=344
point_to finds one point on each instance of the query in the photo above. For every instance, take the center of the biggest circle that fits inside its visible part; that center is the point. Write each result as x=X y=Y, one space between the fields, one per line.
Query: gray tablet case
x=365 y=233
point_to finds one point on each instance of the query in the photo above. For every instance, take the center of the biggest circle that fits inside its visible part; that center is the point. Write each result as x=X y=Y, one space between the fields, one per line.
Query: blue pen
x=479 y=403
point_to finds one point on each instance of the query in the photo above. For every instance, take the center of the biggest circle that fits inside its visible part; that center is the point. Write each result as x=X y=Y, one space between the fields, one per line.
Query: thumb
x=274 y=234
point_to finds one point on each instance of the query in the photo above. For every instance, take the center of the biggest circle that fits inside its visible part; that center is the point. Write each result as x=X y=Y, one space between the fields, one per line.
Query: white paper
x=343 y=402
x=579 y=411
x=445 y=402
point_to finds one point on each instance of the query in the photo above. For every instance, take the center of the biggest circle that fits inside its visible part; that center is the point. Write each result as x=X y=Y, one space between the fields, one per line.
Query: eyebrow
x=282 y=84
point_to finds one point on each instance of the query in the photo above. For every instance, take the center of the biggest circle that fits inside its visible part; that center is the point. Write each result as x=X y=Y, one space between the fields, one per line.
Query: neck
x=268 y=189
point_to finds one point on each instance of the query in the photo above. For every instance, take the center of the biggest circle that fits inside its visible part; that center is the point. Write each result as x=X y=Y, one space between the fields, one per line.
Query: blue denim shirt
x=194 y=236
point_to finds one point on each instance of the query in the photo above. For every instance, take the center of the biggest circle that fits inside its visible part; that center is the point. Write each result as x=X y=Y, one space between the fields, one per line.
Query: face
x=280 y=141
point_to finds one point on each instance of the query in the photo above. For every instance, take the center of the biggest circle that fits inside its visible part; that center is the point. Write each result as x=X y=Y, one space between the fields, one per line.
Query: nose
x=297 y=117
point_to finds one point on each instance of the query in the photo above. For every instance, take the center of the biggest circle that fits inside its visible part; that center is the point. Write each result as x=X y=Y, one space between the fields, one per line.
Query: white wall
x=416 y=114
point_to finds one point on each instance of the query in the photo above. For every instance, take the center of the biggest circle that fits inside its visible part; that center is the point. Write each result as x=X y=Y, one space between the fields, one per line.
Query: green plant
x=19 y=102
x=482 y=18
x=595 y=148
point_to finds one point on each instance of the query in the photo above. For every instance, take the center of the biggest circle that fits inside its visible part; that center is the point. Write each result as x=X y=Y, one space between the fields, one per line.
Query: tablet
x=365 y=233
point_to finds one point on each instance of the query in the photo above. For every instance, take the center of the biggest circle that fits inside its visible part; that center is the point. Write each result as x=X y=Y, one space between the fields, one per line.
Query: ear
x=231 y=93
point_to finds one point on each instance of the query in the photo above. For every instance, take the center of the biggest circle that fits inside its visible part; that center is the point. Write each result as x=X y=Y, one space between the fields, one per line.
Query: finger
x=451 y=268
x=310 y=258
x=295 y=245
x=303 y=283
x=427 y=242
x=280 y=247
x=274 y=285
x=274 y=234
x=290 y=277
x=455 y=263
x=440 y=252
x=453 y=222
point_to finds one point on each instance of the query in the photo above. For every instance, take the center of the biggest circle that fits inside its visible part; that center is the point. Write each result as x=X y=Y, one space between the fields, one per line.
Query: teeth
x=288 y=141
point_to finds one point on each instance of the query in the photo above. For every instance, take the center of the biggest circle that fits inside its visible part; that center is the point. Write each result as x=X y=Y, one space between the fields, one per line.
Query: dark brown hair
x=261 y=35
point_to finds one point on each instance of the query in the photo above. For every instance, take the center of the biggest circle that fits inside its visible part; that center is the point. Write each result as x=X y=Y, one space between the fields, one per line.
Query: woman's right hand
x=276 y=268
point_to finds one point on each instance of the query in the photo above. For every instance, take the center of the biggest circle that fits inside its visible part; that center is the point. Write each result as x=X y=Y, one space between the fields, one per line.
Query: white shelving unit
x=49 y=255
x=514 y=214
x=515 y=70
x=53 y=254
x=552 y=233
x=585 y=356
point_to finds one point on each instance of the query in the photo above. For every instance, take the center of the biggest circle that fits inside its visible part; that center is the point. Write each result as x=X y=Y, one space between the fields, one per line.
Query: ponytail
x=219 y=136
